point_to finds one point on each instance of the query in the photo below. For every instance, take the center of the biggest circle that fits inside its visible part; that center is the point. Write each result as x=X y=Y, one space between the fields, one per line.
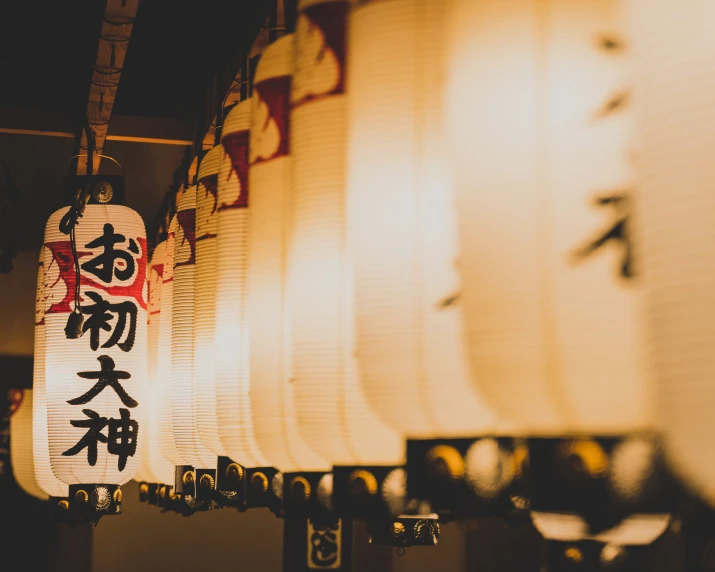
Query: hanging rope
x=73 y=329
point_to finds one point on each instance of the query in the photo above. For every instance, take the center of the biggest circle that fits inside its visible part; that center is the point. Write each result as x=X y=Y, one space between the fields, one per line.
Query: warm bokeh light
x=402 y=223
x=333 y=414
x=541 y=141
x=272 y=394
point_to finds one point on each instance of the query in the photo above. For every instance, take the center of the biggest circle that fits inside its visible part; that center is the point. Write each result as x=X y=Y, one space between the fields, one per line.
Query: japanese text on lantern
x=116 y=266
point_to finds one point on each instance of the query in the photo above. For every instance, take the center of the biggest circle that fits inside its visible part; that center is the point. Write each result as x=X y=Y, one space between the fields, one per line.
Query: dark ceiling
x=47 y=51
x=48 y=48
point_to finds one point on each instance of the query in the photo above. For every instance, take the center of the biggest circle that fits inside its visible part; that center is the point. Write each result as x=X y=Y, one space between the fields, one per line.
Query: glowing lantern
x=550 y=299
x=403 y=226
x=156 y=468
x=231 y=335
x=674 y=86
x=540 y=134
x=186 y=431
x=272 y=399
x=21 y=456
x=47 y=480
x=93 y=382
x=205 y=312
x=333 y=415
x=167 y=444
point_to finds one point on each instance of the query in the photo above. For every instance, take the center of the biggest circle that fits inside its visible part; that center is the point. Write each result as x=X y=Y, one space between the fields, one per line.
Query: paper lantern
x=21 y=456
x=205 y=318
x=156 y=467
x=231 y=335
x=674 y=214
x=183 y=391
x=93 y=382
x=402 y=224
x=164 y=407
x=540 y=139
x=333 y=415
x=272 y=396
x=47 y=480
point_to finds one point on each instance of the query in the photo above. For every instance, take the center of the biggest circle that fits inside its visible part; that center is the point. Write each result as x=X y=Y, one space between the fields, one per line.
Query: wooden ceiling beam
x=48 y=123
x=114 y=39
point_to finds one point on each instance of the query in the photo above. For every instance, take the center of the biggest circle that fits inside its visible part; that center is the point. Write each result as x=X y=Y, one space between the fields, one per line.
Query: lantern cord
x=73 y=329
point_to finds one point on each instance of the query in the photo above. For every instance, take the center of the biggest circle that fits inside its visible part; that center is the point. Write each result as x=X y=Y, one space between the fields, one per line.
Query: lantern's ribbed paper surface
x=333 y=414
x=21 y=456
x=40 y=439
x=674 y=89
x=402 y=224
x=272 y=398
x=157 y=466
x=231 y=342
x=540 y=135
x=93 y=382
x=167 y=443
x=183 y=391
x=205 y=319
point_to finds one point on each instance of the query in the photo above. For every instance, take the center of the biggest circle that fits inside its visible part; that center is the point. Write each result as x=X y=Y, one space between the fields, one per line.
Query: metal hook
x=102 y=157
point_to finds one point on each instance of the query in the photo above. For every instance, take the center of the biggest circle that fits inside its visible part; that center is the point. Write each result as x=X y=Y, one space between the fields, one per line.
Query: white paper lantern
x=156 y=466
x=540 y=135
x=674 y=85
x=183 y=391
x=93 y=381
x=205 y=319
x=231 y=335
x=164 y=407
x=47 y=480
x=272 y=396
x=21 y=443
x=402 y=223
x=333 y=414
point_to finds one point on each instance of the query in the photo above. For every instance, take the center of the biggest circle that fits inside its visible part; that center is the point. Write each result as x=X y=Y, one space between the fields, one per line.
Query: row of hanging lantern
x=429 y=223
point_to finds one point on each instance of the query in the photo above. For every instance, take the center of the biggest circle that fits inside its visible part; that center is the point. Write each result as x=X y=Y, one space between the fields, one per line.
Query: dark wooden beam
x=114 y=39
x=47 y=123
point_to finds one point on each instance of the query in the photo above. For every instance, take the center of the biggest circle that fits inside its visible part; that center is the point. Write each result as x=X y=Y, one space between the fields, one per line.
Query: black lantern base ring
x=594 y=486
x=471 y=477
x=149 y=493
x=371 y=492
x=86 y=504
x=264 y=489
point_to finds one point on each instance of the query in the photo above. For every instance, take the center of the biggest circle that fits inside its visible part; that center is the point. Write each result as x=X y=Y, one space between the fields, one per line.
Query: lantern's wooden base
x=374 y=492
x=306 y=495
x=230 y=484
x=86 y=504
x=262 y=484
x=196 y=484
x=149 y=493
x=469 y=477
x=319 y=543
x=602 y=480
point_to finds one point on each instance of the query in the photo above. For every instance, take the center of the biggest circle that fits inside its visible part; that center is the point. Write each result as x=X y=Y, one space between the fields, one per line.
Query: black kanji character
x=121 y=440
x=100 y=314
x=103 y=265
x=618 y=232
x=95 y=424
x=123 y=437
x=106 y=377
